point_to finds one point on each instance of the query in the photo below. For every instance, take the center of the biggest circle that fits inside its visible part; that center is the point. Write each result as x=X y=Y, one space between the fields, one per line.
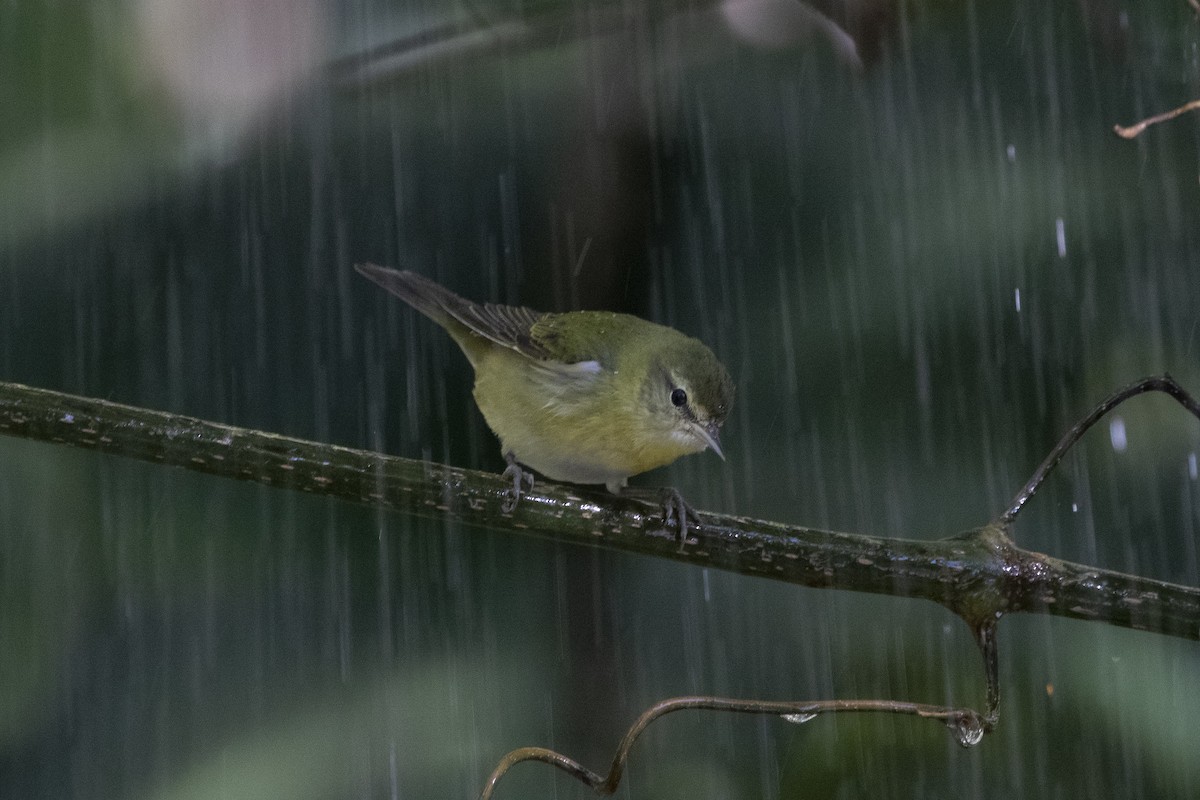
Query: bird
x=584 y=397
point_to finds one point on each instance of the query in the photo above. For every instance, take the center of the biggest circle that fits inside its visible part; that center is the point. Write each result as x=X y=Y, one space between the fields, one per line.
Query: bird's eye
x=678 y=397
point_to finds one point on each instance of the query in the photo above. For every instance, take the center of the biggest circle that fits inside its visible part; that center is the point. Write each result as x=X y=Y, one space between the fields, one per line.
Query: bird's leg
x=518 y=476
x=674 y=508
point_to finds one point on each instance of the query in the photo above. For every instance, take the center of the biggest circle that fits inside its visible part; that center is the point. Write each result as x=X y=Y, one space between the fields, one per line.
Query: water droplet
x=1116 y=434
x=1012 y=153
x=1192 y=466
x=798 y=719
x=968 y=729
x=1017 y=299
x=1060 y=236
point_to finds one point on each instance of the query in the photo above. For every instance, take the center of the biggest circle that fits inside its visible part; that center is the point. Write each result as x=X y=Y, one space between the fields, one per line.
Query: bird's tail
x=432 y=299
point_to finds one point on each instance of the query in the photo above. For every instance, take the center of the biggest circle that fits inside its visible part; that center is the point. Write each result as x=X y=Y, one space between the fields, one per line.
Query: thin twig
x=1137 y=128
x=1155 y=383
x=967 y=724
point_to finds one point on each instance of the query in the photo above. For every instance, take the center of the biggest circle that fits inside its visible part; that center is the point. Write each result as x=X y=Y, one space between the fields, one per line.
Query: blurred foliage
x=919 y=273
x=82 y=126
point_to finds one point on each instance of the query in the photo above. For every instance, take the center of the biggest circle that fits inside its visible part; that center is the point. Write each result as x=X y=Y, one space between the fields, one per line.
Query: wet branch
x=979 y=575
x=968 y=727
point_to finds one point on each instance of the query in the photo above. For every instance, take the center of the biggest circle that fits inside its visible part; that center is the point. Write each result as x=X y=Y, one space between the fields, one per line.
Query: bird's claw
x=518 y=476
x=676 y=513
x=676 y=509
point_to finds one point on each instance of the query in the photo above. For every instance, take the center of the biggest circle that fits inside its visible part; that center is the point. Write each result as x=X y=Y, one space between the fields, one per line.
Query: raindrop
x=1074 y=508
x=1192 y=466
x=798 y=719
x=1012 y=153
x=1017 y=299
x=1060 y=235
x=968 y=730
x=1116 y=433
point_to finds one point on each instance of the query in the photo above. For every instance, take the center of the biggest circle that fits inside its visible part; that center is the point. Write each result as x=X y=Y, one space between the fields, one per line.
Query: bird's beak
x=709 y=433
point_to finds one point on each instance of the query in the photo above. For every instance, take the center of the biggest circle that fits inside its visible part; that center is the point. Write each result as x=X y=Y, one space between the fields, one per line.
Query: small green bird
x=585 y=396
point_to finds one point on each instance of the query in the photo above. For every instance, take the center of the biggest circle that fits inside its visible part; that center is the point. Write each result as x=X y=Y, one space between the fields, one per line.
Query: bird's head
x=688 y=394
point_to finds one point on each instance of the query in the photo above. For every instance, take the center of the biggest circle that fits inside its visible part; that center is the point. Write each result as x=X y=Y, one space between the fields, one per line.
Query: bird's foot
x=519 y=477
x=676 y=512
x=675 y=507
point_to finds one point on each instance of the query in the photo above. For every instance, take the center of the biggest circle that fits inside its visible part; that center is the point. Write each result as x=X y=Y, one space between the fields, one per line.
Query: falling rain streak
x=852 y=207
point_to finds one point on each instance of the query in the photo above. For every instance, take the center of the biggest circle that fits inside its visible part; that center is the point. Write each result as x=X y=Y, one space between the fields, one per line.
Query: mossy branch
x=979 y=575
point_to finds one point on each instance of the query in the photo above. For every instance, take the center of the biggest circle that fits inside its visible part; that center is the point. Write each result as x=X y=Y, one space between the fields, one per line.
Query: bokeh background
x=907 y=228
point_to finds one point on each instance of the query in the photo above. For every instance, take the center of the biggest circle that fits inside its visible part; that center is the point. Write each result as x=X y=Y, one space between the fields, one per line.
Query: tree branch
x=979 y=575
x=968 y=727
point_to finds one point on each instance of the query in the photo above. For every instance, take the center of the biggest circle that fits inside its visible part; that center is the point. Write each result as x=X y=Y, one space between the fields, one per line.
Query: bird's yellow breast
x=581 y=424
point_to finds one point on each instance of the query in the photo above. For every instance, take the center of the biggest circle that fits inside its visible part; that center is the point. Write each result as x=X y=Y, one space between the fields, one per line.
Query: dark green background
x=851 y=243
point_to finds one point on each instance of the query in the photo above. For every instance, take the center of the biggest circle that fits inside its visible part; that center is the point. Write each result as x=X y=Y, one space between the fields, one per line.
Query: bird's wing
x=553 y=340
x=567 y=366
x=507 y=326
